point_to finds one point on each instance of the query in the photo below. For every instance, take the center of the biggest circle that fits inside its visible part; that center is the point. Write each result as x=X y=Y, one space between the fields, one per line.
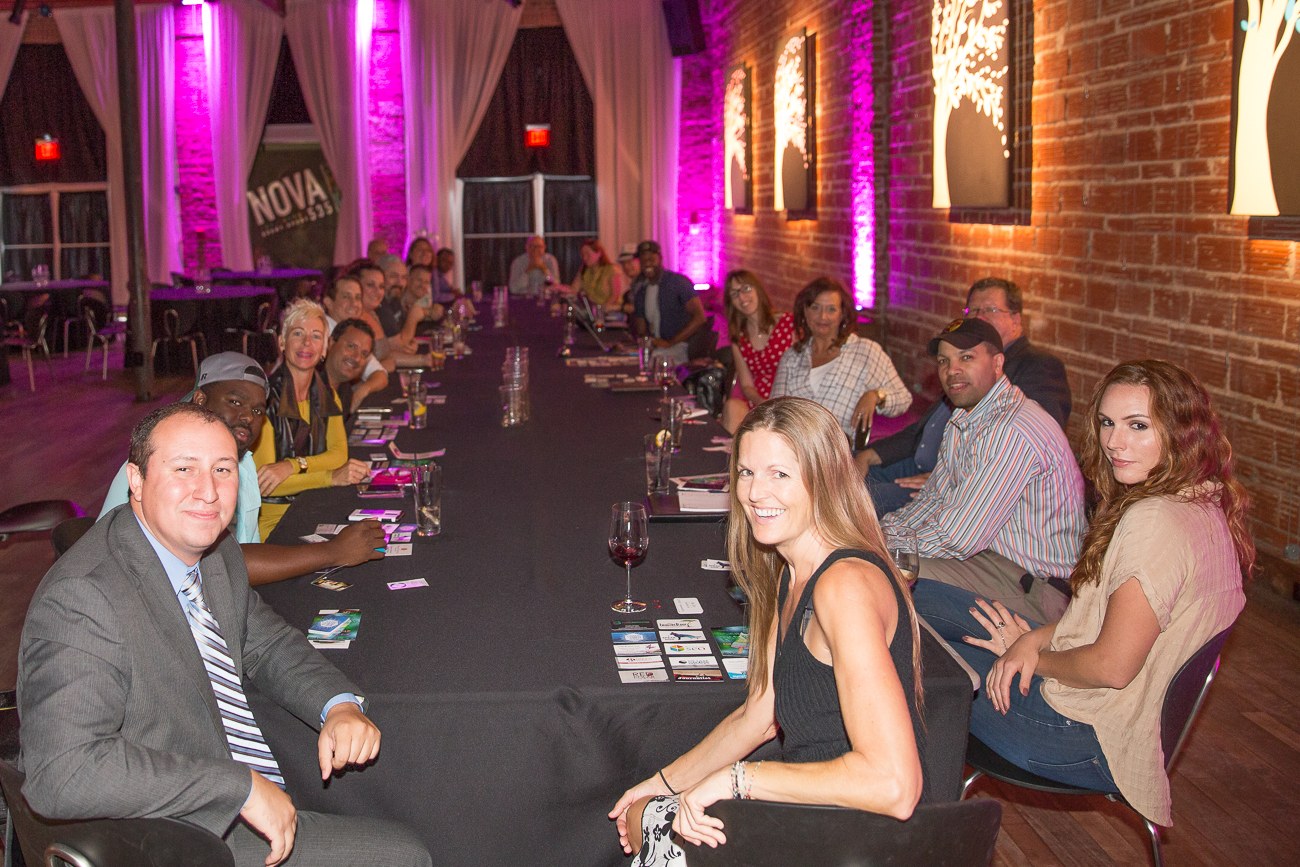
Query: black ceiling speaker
x=685 y=32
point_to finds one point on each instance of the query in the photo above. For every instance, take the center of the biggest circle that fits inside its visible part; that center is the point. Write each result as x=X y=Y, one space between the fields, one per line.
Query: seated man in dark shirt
x=350 y=346
x=897 y=466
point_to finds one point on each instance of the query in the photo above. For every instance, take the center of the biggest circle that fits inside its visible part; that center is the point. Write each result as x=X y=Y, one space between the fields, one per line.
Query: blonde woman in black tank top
x=833 y=659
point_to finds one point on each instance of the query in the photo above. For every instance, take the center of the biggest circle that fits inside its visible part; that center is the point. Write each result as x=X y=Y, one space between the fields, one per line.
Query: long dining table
x=507 y=732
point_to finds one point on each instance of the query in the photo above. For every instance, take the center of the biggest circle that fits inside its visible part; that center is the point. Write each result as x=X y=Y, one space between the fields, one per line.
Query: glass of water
x=902 y=547
x=427 y=484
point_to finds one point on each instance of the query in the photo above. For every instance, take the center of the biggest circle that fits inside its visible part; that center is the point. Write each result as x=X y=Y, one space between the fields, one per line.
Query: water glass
x=902 y=547
x=672 y=412
x=514 y=405
x=426 y=482
x=417 y=406
x=458 y=340
x=645 y=350
x=658 y=460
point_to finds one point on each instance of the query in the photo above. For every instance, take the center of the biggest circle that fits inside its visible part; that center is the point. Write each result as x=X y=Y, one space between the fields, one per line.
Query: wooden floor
x=1236 y=788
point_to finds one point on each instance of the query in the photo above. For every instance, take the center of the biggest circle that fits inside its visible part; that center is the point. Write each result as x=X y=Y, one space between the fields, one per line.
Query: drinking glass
x=404 y=377
x=664 y=375
x=902 y=547
x=629 y=539
x=658 y=460
x=426 y=482
x=476 y=291
x=416 y=405
x=645 y=350
x=514 y=405
x=672 y=412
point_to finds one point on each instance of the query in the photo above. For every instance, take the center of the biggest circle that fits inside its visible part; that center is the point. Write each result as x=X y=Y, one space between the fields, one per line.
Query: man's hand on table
x=350 y=473
x=348 y=737
x=357 y=543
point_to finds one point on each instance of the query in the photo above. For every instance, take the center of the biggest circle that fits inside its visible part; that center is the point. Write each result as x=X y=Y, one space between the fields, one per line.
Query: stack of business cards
x=690 y=656
x=636 y=652
x=334 y=629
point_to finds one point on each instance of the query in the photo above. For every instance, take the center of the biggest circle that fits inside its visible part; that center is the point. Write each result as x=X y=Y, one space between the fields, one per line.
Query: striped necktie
x=242 y=734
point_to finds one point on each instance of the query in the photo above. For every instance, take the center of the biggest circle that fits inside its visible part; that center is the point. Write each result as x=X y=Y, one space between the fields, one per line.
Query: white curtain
x=330 y=41
x=241 y=41
x=10 y=38
x=156 y=56
x=90 y=39
x=622 y=49
x=452 y=55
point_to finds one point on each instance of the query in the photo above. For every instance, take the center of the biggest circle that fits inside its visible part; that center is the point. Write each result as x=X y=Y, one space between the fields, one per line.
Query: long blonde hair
x=1193 y=451
x=841 y=513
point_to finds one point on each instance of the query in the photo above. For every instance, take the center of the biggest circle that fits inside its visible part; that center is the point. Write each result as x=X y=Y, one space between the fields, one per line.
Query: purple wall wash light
x=862 y=165
x=699 y=176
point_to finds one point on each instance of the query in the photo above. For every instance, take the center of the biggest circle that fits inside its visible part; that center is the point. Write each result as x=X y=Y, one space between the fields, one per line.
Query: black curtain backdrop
x=43 y=97
x=541 y=83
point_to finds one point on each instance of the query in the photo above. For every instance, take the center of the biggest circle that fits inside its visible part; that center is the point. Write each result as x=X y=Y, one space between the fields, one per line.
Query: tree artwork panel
x=737 y=153
x=793 y=110
x=970 y=50
x=1264 y=178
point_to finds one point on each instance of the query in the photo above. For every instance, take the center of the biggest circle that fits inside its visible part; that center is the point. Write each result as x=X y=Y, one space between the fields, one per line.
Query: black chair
x=171 y=334
x=263 y=332
x=28 y=339
x=95 y=843
x=38 y=516
x=1182 y=700
x=765 y=834
x=67 y=533
x=101 y=326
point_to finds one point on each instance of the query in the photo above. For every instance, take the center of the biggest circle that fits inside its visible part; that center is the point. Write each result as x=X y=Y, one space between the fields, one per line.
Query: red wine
x=627 y=555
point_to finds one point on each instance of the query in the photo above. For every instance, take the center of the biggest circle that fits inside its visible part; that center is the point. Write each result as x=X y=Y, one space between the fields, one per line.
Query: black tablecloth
x=507 y=732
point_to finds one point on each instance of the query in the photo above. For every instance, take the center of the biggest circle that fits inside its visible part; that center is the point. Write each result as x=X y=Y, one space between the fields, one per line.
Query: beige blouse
x=1183 y=557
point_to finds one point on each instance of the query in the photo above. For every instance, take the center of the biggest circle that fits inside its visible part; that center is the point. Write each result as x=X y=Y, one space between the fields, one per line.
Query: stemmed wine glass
x=629 y=539
x=663 y=368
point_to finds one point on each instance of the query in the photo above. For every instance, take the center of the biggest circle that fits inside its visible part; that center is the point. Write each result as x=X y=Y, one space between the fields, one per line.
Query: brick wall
x=194 y=143
x=1121 y=239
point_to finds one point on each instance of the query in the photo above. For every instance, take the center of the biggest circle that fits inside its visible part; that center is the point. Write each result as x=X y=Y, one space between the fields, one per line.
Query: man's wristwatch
x=302 y=464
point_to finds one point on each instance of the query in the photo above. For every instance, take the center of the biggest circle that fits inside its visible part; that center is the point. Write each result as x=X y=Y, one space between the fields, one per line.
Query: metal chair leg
x=31 y=372
x=1154 y=830
x=968 y=782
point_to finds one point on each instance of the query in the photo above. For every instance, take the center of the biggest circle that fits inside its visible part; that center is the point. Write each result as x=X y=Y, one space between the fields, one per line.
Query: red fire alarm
x=47 y=149
x=537 y=135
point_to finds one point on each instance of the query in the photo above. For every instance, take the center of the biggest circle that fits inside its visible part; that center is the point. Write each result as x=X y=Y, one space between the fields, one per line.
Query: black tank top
x=807 y=699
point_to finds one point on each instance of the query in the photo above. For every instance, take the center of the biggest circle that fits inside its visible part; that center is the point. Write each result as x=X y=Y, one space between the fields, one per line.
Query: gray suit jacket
x=118 y=717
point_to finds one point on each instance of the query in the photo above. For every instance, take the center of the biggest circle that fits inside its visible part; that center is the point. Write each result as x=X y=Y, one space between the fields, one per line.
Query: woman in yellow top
x=303 y=444
x=598 y=279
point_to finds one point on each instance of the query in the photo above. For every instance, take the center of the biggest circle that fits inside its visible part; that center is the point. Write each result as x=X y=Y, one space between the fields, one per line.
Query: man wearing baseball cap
x=235 y=387
x=665 y=305
x=1002 y=514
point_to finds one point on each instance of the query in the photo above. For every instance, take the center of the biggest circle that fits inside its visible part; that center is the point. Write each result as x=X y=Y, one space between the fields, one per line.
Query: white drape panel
x=90 y=40
x=330 y=41
x=241 y=41
x=156 y=58
x=452 y=55
x=10 y=38
x=622 y=49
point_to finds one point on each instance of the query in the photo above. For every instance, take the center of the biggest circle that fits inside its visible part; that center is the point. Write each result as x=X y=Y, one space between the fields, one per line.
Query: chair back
x=171 y=324
x=1185 y=694
x=67 y=533
x=765 y=834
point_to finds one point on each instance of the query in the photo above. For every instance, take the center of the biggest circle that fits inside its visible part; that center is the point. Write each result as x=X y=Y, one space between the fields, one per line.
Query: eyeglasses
x=742 y=289
x=983 y=311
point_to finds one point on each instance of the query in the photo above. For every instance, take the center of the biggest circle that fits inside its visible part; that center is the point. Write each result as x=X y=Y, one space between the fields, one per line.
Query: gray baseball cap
x=226 y=366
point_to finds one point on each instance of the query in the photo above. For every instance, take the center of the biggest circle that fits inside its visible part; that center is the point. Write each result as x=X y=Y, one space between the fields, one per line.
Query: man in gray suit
x=133 y=659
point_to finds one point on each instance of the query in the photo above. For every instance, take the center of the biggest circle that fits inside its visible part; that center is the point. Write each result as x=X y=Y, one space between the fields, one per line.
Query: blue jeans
x=887 y=496
x=1031 y=735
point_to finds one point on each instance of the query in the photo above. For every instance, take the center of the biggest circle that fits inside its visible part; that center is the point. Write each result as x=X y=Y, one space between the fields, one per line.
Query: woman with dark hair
x=834 y=659
x=303 y=444
x=849 y=375
x=759 y=337
x=1161 y=573
x=598 y=279
x=421 y=252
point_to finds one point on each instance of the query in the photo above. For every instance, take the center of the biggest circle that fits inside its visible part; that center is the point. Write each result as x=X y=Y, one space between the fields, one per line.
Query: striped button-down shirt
x=862 y=366
x=1006 y=482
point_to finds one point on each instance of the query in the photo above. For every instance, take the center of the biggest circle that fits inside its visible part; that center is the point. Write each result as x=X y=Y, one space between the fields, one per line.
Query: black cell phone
x=862 y=435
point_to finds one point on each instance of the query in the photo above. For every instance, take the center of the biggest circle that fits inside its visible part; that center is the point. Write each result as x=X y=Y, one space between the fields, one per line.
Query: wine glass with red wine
x=629 y=539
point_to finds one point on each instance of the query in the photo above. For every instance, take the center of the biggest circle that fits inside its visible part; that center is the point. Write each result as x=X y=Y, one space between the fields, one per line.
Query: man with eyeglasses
x=897 y=466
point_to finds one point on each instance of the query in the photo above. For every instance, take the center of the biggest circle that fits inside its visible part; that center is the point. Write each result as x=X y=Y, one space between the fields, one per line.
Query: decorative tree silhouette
x=735 y=126
x=1269 y=26
x=790 y=115
x=965 y=46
